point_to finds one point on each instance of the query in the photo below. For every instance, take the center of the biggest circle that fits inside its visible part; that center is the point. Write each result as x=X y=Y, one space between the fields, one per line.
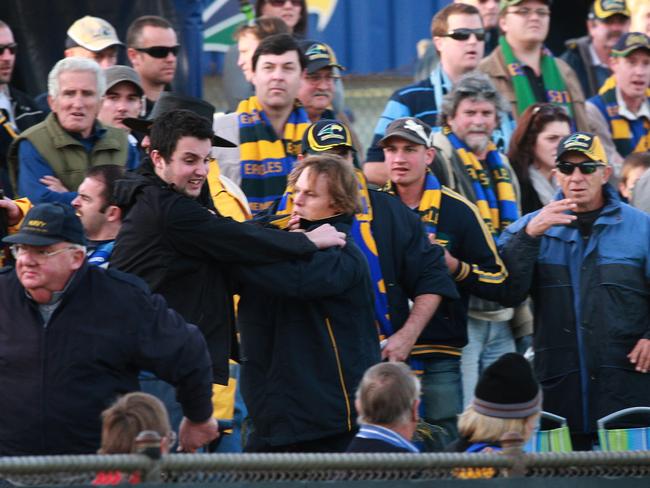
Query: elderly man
x=620 y=113
x=307 y=326
x=585 y=259
x=607 y=21
x=469 y=163
x=152 y=48
x=267 y=127
x=18 y=111
x=458 y=34
x=65 y=361
x=48 y=162
x=387 y=401
x=523 y=70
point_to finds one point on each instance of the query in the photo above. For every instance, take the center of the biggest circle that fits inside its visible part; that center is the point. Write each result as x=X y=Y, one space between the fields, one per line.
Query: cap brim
x=316 y=65
x=127 y=80
x=409 y=136
x=144 y=126
x=138 y=125
x=626 y=52
x=98 y=46
x=317 y=151
x=31 y=239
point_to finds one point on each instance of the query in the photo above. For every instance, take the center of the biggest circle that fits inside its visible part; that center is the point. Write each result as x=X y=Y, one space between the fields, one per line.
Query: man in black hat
x=585 y=260
x=66 y=361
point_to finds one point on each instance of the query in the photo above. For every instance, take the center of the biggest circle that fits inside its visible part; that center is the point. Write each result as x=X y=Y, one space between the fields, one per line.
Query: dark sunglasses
x=464 y=34
x=586 y=168
x=280 y=3
x=12 y=48
x=158 y=51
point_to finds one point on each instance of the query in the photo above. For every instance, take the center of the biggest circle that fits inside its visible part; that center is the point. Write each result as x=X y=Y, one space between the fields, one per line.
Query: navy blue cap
x=49 y=223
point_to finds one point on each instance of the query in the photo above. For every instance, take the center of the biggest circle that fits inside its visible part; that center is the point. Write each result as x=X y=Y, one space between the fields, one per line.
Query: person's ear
x=156 y=159
x=113 y=213
x=430 y=153
x=415 y=410
x=607 y=172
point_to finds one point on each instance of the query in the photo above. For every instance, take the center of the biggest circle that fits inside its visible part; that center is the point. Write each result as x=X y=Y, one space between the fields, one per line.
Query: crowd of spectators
x=259 y=268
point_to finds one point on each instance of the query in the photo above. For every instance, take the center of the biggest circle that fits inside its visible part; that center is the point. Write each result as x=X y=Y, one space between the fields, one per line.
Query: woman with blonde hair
x=507 y=399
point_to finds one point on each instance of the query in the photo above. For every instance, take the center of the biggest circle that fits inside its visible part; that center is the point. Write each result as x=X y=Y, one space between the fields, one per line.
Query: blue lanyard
x=441 y=85
x=101 y=255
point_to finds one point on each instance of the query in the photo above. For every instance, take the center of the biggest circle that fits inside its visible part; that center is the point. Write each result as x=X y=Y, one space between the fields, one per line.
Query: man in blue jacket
x=585 y=258
x=75 y=337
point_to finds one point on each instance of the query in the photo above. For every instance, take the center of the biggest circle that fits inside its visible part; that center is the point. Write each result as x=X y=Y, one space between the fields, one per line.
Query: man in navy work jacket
x=74 y=337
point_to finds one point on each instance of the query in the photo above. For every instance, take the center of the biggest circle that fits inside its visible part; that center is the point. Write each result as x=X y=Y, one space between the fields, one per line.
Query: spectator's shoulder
x=128 y=279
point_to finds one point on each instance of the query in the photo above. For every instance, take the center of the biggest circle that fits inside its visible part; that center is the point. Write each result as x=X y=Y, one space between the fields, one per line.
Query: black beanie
x=508 y=389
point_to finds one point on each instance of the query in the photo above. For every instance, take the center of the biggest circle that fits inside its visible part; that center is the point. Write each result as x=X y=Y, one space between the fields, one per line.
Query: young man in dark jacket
x=183 y=249
x=75 y=337
x=307 y=326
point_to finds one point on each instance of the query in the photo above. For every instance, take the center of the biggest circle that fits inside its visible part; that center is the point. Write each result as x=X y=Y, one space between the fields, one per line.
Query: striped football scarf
x=630 y=136
x=266 y=161
x=429 y=208
x=556 y=91
x=362 y=234
x=500 y=210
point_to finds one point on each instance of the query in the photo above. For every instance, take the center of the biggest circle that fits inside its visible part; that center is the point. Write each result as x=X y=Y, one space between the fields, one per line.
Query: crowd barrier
x=577 y=469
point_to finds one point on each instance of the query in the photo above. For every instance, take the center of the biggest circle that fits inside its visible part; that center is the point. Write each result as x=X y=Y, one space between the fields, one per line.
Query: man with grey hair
x=468 y=162
x=387 y=400
x=47 y=163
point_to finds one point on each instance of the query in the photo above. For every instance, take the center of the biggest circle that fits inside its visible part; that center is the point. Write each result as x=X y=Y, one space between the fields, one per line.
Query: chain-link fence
x=186 y=469
x=365 y=97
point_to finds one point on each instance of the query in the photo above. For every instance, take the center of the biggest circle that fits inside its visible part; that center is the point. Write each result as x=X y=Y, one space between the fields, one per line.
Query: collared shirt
x=623 y=111
x=595 y=60
x=371 y=431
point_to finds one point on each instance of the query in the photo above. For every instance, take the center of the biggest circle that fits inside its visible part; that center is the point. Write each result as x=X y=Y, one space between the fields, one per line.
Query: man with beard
x=469 y=163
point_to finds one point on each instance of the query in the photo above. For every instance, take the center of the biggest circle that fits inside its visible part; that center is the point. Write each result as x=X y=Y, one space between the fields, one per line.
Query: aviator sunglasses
x=158 y=51
x=464 y=34
x=586 y=168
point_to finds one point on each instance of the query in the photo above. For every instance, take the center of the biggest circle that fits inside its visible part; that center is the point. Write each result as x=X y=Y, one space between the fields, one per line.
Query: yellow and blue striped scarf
x=429 y=208
x=630 y=136
x=362 y=234
x=498 y=210
x=266 y=160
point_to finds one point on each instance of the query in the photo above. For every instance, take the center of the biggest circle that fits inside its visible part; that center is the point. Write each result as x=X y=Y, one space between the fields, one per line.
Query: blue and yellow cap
x=324 y=135
x=585 y=143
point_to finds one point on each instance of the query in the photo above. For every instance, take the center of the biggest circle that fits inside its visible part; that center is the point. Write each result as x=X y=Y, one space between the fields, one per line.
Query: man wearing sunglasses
x=458 y=36
x=18 y=111
x=524 y=71
x=585 y=260
x=152 y=48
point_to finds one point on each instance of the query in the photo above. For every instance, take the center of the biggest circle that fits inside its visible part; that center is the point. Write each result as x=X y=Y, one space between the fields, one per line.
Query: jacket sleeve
x=32 y=168
x=177 y=353
x=481 y=271
x=519 y=252
x=326 y=273
x=195 y=231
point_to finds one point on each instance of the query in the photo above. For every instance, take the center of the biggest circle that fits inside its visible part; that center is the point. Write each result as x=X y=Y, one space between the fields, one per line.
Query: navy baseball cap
x=630 y=42
x=47 y=224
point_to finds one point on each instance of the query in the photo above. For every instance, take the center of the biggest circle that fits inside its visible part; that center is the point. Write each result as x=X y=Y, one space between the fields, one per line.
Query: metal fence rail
x=272 y=468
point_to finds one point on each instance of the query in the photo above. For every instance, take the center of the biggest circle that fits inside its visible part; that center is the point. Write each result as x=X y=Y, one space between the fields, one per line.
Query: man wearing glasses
x=76 y=337
x=524 y=71
x=18 y=111
x=152 y=48
x=458 y=36
x=585 y=260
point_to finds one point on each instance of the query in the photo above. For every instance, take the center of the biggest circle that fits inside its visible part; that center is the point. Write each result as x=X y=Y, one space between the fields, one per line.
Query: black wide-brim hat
x=173 y=101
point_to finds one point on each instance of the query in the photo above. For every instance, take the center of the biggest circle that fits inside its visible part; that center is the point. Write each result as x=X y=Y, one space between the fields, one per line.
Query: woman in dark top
x=533 y=148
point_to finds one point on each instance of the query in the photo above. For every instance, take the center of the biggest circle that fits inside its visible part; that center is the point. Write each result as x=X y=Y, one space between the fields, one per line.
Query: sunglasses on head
x=12 y=48
x=464 y=34
x=586 y=168
x=158 y=51
x=280 y=3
